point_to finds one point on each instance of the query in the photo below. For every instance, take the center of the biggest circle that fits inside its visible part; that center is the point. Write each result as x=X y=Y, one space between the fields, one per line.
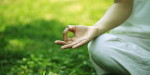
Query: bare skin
x=116 y=15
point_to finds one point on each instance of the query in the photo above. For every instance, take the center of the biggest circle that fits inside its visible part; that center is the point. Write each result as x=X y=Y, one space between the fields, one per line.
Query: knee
x=99 y=47
x=98 y=42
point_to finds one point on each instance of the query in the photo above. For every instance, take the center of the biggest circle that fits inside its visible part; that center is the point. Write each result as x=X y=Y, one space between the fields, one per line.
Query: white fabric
x=126 y=49
x=120 y=54
x=139 y=21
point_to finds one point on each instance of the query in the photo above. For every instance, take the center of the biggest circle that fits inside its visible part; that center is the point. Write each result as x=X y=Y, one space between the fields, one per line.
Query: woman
x=123 y=51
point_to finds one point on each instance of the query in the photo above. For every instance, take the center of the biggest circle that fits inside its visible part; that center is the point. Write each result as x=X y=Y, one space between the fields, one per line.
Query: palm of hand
x=82 y=35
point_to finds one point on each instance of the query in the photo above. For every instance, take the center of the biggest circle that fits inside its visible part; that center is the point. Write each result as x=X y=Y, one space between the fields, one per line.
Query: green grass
x=28 y=29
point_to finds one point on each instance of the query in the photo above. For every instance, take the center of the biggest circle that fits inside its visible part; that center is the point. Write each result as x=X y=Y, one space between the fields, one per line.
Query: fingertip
x=74 y=47
x=66 y=30
x=62 y=47
x=55 y=42
x=70 y=26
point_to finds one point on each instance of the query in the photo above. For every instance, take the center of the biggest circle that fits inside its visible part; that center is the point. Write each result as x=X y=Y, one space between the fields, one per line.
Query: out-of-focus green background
x=28 y=29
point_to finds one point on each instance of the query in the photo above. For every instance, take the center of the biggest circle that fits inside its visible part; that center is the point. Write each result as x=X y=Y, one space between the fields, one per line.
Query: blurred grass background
x=28 y=29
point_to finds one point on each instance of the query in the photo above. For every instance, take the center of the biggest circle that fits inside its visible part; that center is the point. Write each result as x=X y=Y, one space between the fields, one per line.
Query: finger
x=60 y=42
x=65 y=34
x=69 y=45
x=72 y=28
x=80 y=44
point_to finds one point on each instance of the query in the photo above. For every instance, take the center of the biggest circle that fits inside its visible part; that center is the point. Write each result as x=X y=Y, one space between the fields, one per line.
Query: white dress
x=126 y=49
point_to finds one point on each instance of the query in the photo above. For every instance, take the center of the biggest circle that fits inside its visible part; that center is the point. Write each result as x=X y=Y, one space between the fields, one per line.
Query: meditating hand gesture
x=82 y=35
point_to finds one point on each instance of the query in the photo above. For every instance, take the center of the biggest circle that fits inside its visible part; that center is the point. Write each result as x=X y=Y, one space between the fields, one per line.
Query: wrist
x=100 y=30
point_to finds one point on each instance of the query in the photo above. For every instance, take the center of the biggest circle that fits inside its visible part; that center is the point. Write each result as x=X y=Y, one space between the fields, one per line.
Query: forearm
x=115 y=16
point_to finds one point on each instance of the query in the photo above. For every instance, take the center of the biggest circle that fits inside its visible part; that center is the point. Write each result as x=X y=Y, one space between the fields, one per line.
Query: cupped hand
x=82 y=35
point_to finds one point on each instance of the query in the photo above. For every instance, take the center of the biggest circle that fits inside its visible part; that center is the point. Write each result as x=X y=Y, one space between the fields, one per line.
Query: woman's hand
x=82 y=35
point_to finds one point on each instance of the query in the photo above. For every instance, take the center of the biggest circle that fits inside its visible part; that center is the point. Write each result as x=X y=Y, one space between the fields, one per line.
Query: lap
x=113 y=53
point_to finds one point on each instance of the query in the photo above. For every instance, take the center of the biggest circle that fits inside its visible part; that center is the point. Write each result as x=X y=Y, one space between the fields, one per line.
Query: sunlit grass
x=28 y=29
